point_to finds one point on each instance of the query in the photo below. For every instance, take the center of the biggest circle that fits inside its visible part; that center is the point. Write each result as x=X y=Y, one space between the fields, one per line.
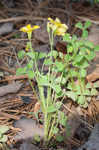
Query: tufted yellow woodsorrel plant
x=49 y=104
x=60 y=78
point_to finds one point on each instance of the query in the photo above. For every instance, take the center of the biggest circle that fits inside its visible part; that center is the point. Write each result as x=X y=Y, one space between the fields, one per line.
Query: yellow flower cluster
x=56 y=25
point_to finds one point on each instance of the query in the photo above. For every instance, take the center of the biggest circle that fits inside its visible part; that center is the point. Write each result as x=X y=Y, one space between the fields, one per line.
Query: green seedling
x=3 y=137
x=49 y=104
x=79 y=53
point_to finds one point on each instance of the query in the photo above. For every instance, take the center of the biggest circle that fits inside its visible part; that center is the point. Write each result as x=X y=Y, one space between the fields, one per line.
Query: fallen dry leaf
x=37 y=107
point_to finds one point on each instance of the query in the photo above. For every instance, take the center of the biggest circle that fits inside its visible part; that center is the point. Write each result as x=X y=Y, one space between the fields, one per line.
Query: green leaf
x=83 y=51
x=62 y=121
x=83 y=73
x=55 y=130
x=78 y=58
x=60 y=66
x=59 y=138
x=59 y=95
x=84 y=34
x=86 y=92
x=96 y=48
x=67 y=58
x=51 y=109
x=62 y=118
x=31 y=54
x=43 y=81
x=87 y=24
x=31 y=74
x=30 y=64
x=89 y=44
x=82 y=64
x=36 y=55
x=48 y=62
x=56 y=88
x=61 y=55
x=67 y=37
x=78 y=90
x=88 y=86
x=53 y=53
x=69 y=49
x=28 y=46
x=21 y=71
x=3 y=129
x=81 y=100
x=60 y=80
x=41 y=55
x=21 y=54
x=69 y=86
x=37 y=138
x=79 y=43
x=71 y=95
x=96 y=85
x=79 y=25
x=3 y=139
x=74 y=38
x=73 y=73
x=90 y=56
x=94 y=92
x=58 y=105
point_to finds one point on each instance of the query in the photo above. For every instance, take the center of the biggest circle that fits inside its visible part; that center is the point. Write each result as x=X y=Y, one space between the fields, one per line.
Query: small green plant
x=53 y=116
x=64 y=77
x=3 y=130
x=3 y=137
x=79 y=53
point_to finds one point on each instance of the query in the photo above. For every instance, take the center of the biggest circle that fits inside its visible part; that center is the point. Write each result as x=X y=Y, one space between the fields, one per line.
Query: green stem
x=48 y=116
x=51 y=130
x=45 y=127
x=42 y=98
x=33 y=89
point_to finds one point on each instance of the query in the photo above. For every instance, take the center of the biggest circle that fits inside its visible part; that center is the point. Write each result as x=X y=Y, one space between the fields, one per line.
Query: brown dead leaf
x=37 y=107
x=93 y=77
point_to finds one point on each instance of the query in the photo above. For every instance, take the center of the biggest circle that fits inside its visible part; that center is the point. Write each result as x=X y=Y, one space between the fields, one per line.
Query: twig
x=22 y=18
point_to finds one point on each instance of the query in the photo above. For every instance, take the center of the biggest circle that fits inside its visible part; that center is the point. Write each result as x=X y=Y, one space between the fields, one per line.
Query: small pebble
x=6 y=28
x=29 y=129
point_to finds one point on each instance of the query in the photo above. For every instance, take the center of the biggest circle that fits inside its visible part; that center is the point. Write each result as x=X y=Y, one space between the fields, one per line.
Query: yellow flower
x=29 y=28
x=57 y=26
x=52 y=21
x=61 y=30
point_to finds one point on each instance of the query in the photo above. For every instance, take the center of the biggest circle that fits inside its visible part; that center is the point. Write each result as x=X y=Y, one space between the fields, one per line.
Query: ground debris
x=93 y=141
x=6 y=28
x=14 y=87
x=29 y=129
x=28 y=146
